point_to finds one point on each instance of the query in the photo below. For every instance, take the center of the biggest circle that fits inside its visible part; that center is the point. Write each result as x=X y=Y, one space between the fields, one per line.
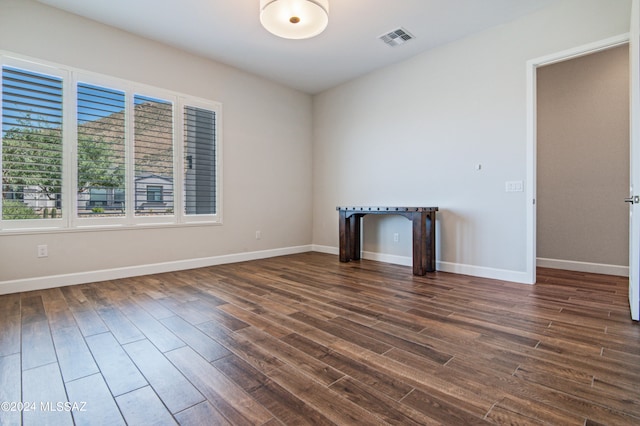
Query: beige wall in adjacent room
x=583 y=159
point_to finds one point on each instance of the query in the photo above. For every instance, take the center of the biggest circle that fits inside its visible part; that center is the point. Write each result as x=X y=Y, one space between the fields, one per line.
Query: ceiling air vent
x=396 y=37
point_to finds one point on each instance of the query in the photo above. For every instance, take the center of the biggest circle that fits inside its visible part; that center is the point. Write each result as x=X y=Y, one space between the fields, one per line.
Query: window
x=153 y=146
x=200 y=161
x=101 y=150
x=97 y=197
x=118 y=197
x=154 y=194
x=90 y=150
x=32 y=150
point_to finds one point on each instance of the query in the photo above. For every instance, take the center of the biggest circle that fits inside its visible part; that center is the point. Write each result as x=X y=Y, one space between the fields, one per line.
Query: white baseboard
x=455 y=268
x=41 y=283
x=572 y=265
x=484 y=272
x=388 y=258
x=368 y=255
x=325 y=249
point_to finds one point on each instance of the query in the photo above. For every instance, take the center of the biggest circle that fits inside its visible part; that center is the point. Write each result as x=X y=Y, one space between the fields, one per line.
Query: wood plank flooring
x=304 y=339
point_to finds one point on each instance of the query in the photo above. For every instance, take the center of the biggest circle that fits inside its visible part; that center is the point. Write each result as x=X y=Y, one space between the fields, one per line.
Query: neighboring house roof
x=141 y=178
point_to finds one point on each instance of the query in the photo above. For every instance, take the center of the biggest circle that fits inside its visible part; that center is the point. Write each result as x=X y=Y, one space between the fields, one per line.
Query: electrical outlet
x=43 y=250
x=395 y=237
x=258 y=235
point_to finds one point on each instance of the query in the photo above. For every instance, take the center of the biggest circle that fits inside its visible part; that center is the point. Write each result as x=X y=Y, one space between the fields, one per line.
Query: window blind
x=91 y=151
x=200 y=161
x=153 y=146
x=101 y=151
x=31 y=145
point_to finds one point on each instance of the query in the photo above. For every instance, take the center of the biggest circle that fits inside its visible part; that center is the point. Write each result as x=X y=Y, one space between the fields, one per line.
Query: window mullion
x=70 y=164
x=178 y=163
x=130 y=185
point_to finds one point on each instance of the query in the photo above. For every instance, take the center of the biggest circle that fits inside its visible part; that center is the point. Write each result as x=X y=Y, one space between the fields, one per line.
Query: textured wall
x=583 y=159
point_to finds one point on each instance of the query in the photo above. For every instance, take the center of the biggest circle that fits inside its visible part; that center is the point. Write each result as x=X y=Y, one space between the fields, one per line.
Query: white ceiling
x=229 y=31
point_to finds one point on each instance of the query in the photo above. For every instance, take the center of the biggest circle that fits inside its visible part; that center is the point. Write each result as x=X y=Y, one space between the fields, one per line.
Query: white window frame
x=69 y=219
x=58 y=222
x=200 y=103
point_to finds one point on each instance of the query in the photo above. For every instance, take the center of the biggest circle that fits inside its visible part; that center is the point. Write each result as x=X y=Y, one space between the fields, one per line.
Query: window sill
x=103 y=227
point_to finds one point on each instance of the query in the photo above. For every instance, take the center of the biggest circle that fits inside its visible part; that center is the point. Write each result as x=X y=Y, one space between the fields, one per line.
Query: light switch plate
x=514 y=186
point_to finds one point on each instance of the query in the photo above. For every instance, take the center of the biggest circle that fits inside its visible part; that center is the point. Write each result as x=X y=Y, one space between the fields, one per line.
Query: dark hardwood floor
x=304 y=339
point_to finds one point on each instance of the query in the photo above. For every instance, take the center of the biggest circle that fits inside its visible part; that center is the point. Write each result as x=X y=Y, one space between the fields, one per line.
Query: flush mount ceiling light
x=294 y=19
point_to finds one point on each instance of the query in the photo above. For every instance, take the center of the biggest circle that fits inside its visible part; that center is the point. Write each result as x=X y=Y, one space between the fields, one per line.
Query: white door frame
x=634 y=176
x=532 y=66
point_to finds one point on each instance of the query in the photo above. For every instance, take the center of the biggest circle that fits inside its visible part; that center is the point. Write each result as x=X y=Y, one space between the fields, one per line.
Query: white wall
x=412 y=134
x=266 y=155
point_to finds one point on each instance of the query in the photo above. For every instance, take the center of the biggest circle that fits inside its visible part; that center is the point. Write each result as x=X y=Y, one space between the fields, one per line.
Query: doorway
x=531 y=145
x=583 y=163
